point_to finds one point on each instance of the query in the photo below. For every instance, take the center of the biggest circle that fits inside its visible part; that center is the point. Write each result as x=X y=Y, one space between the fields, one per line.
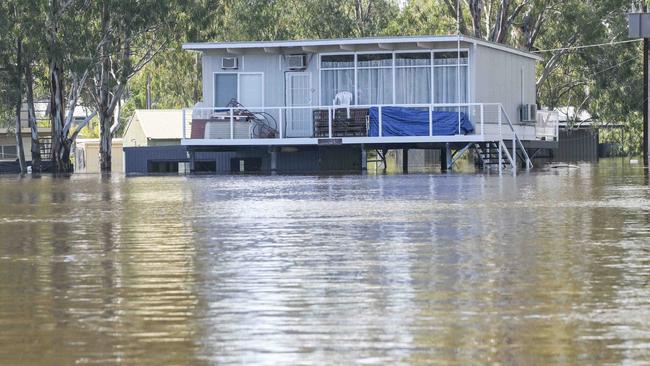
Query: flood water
x=551 y=267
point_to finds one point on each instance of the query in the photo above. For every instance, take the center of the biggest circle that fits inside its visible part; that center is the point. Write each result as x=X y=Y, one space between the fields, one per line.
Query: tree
x=128 y=35
x=67 y=49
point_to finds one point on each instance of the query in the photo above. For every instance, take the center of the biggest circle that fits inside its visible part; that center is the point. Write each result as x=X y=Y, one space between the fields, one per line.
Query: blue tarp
x=401 y=121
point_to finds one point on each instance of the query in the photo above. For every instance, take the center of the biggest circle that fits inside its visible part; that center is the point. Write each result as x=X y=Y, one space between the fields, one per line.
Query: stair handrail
x=529 y=164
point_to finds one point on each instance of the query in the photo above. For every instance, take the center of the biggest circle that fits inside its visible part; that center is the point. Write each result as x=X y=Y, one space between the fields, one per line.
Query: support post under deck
x=274 y=160
x=445 y=158
x=405 y=160
x=191 y=155
x=364 y=158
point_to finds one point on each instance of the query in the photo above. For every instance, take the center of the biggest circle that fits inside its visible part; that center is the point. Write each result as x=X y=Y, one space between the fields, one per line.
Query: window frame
x=238 y=73
x=468 y=63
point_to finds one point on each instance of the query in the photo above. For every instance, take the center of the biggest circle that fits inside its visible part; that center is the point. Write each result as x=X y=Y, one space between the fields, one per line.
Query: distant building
x=151 y=142
x=86 y=156
x=153 y=127
x=8 y=147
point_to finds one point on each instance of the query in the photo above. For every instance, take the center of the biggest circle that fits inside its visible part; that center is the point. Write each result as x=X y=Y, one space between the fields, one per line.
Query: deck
x=227 y=129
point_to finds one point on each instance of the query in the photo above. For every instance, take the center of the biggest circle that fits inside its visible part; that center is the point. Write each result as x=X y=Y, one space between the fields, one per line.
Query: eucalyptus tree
x=12 y=61
x=127 y=36
x=70 y=57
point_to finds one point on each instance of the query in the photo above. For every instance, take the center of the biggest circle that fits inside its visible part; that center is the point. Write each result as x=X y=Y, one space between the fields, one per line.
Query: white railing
x=516 y=141
x=300 y=121
x=547 y=126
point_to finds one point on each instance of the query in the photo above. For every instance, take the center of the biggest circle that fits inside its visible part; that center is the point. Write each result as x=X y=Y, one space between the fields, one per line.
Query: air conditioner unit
x=528 y=112
x=296 y=62
x=229 y=63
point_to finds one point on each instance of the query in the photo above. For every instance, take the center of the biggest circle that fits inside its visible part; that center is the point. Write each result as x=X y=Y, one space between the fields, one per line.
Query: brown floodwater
x=550 y=267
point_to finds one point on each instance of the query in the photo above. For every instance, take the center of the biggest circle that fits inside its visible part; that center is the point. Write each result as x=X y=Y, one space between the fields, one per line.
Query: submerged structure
x=322 y=105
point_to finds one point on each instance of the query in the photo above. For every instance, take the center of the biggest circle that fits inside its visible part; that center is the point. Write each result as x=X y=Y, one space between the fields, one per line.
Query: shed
x=153 y=127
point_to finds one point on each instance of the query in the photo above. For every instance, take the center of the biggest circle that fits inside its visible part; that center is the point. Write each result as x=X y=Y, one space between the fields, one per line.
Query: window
x=246 y=88
x=403 y=77
x=337 y=75
x=225 y=89
x=413 y=78
x=450 y=77
x=8 y=152
x=375 y=78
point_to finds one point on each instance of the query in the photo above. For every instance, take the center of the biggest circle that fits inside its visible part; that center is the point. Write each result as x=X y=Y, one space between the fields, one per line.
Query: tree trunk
x=19 y=105
x=105 y=123
x=36 y=147
x=475 y=12
x=104 y=97
x=60 y=150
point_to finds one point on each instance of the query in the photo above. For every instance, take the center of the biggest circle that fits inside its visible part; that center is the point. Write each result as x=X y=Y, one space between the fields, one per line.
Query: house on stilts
x=322 y=105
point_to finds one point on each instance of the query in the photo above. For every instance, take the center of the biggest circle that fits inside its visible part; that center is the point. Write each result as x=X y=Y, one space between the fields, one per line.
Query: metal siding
x=499 y=79
x=346 y=158
x=269 y=64
x=136 y=158
x=221 y=158
x=299 y=161
x=577 y=145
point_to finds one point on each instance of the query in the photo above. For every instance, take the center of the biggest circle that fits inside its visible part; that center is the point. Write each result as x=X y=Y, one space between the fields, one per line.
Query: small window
x=413 y=59
x=449 y=58
x=375 y=60
x=225 y=89
x=8 y=152
x=337 y=61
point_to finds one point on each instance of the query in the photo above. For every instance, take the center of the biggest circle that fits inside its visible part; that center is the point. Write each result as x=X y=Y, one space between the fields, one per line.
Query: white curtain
x=446 y=84
x=413 y=85
x=335 y=81
x=375 y=86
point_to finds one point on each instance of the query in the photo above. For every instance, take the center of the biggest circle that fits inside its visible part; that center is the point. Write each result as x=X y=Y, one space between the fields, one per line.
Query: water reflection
x=546 y=268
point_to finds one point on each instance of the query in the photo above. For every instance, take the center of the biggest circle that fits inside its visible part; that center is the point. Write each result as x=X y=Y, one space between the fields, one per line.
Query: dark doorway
x=161 y=167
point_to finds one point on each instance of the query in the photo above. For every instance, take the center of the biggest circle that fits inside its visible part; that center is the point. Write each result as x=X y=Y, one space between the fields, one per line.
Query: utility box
x=639 y=25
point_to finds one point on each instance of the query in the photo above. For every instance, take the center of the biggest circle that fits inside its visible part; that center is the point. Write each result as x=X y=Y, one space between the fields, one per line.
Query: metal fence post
x=329 y=121
x=281 y=122
x=232 y=124
x=430 y=121
x=514 y=153
x=482 y=119
x=500 y=157
x=381 y=126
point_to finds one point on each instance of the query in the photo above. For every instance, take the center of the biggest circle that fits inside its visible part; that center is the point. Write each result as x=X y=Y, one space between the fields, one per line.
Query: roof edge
x=205 y=46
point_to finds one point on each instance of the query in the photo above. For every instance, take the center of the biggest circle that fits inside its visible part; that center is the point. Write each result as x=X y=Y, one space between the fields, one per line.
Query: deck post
x=430 y=121
x=500 y=156
x=274 y=160
x=329 y=122
x=381 y=126
x=405 y=161
x=514 y=154
x=445 y=158
x=281 y=124
x=364 y=158
x=482 y=121
x=232 y=123
x=191 y=155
